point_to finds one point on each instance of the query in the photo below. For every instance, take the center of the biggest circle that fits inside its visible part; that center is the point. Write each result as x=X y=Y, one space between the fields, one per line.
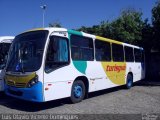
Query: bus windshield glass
x=4 y=48
x=26 y=51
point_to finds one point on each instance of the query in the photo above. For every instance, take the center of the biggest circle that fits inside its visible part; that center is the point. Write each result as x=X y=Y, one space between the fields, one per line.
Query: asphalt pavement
x=142 y=98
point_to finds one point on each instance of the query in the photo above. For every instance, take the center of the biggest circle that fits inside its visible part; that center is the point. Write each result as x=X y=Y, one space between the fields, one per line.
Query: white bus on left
x=5 y=42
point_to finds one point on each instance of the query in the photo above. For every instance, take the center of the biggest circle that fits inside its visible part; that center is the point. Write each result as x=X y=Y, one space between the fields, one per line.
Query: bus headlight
x=32 y=81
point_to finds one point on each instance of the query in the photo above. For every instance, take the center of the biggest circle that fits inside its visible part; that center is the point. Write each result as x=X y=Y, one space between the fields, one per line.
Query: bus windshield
x=4 y=48
x=26 y=52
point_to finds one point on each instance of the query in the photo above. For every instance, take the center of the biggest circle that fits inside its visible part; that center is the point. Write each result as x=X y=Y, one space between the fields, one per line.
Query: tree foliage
x=127 y=28
x=147 y=36
x=156 y=25
x=55 y=24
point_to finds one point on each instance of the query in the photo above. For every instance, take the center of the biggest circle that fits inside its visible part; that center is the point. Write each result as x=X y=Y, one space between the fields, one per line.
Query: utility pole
x=43 y=8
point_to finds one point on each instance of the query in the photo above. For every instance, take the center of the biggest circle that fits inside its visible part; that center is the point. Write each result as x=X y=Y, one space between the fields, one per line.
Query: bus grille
x=18 y=85
x=10 y=83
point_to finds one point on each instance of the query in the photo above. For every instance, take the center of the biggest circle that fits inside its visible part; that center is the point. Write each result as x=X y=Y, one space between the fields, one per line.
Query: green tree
x=147 y=37
x=103 y=29
x=55 y=24
x=128 y=27
x=156 y=25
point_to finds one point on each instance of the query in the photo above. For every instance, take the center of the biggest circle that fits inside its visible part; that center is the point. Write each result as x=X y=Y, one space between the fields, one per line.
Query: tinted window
x=26 y=51
x=138 y=55
x=102 y=51
x=81 y=48
x=4 y=48
x=57 y=53
x=129 y=54
x=117 y=53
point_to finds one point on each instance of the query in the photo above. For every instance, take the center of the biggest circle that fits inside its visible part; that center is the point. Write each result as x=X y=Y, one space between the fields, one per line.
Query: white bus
x=5 y=42
x=52 y=63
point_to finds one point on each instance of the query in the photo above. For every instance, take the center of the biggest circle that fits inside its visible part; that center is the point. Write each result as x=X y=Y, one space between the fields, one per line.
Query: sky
x=17 y=16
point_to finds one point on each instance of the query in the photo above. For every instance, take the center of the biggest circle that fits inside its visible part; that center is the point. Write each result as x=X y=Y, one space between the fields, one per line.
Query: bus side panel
x=143 y=70
x=57 y=90
x=58 y=83
x=98 y=80
x=136 y=69
x=137 y=72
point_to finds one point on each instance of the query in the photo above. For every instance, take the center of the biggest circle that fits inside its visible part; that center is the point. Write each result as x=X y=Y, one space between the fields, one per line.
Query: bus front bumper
x=30 y=94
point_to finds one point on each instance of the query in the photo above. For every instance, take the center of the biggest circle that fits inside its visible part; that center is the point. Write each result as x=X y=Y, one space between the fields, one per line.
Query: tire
x=78 y=91
x=129 y=82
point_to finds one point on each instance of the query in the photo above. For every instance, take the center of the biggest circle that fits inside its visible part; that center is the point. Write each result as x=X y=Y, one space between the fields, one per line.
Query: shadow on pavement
x=106 y=91
x=147 y=83
x=28 y=106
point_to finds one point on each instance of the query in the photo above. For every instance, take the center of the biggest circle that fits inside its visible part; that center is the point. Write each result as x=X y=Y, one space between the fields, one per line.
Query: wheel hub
x=77 y=91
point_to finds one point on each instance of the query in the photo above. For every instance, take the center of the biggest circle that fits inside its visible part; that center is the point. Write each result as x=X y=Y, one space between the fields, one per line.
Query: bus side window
x=102 y=51
x=82 y=48
x=57 y=53
x=4 y=48
x=117 y=52
x=129 y=57
x=137 y=55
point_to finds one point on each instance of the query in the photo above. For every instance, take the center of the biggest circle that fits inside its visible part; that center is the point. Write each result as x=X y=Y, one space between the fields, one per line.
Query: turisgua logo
x=115 y=68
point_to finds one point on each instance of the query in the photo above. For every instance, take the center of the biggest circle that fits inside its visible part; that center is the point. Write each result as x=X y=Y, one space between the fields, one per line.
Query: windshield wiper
x=21 y=62
x=22 y=68
x=19 y=66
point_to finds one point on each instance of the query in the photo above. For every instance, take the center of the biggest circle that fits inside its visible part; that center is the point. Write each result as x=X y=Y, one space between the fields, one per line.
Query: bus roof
x=52 y=29
x=6 y=39
x=101 y=38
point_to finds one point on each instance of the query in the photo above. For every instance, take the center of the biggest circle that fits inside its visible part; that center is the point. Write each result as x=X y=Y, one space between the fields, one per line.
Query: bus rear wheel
x=78 y=91
x=129 y=82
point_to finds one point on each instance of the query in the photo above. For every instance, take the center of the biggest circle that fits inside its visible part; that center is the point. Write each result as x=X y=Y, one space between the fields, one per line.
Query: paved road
x=139 y=99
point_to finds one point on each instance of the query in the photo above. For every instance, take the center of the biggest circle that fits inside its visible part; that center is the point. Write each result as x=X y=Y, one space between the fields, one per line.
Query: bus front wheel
x=129 y=82
x=78 y=91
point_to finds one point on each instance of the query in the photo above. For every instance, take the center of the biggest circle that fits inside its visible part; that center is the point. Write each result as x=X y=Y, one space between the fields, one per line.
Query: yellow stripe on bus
x=108 y=40
x=36 y=29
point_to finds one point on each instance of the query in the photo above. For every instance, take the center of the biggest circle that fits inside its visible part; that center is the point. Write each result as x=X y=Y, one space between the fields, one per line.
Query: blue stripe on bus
x=32 y=94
